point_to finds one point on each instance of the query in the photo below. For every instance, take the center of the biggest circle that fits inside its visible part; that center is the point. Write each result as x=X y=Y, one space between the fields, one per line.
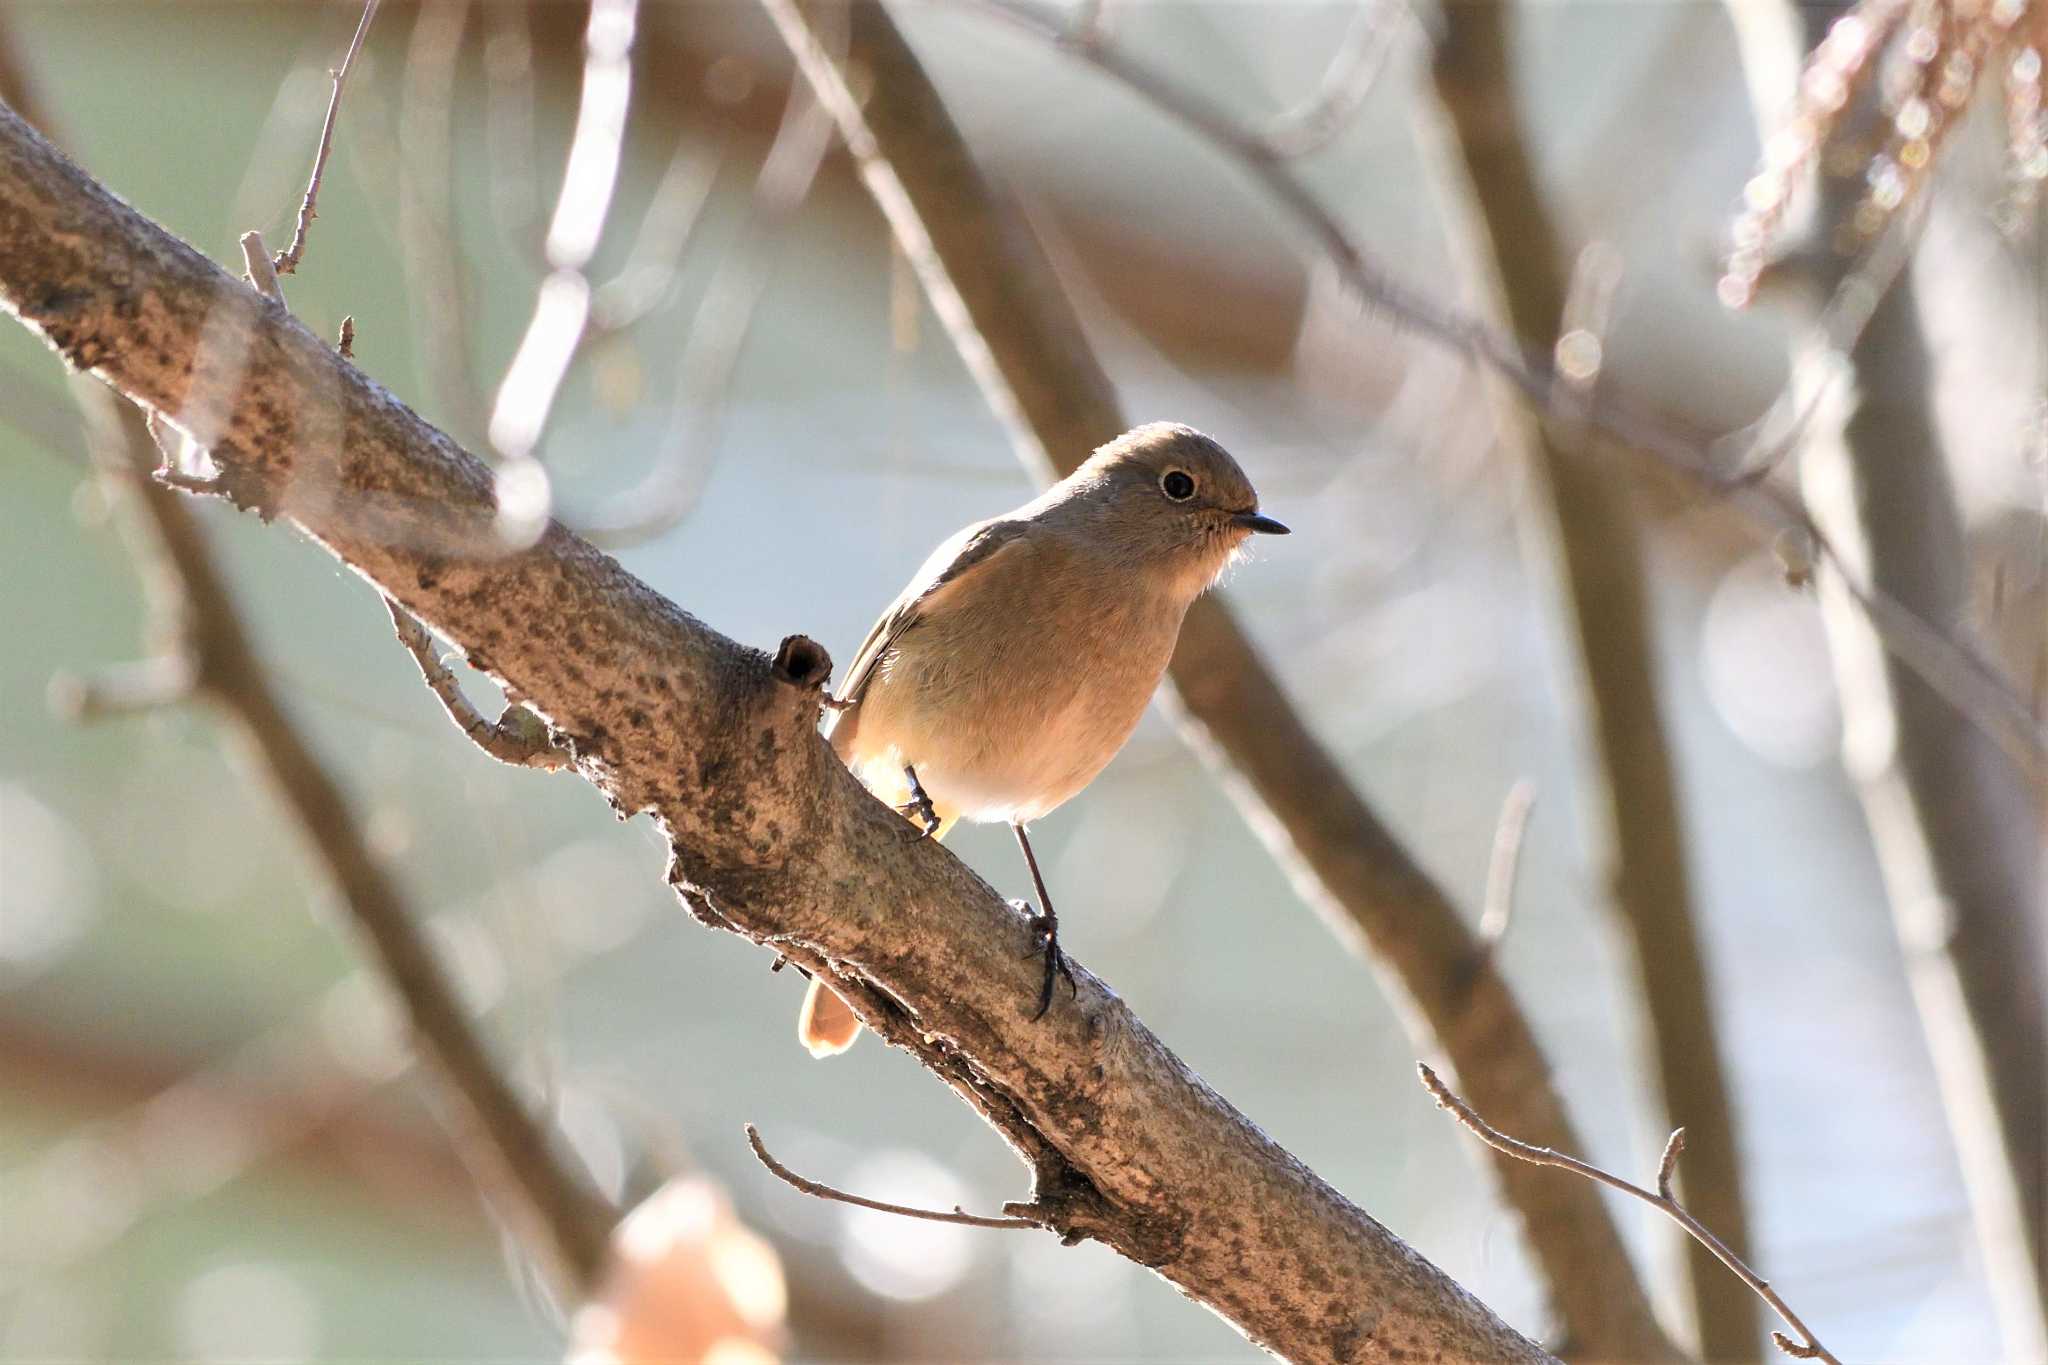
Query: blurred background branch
x=1956 y=826
x=194 y=620
x=1583 y=527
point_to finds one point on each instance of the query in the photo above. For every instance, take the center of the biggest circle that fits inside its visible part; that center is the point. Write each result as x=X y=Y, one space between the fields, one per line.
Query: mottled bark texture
x=992 y=286
x=1587 y=527
x=771 y=837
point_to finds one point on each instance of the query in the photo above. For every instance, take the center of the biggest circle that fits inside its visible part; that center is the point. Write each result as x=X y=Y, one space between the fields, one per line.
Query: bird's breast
x=1006 y=714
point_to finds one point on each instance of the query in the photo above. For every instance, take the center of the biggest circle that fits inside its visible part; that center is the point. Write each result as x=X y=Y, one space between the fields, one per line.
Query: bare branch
x=565 y=1224
x=824 y=1191
x=1505 y=863
x=1957 y=830
x=1808 y=1346
x=288 y=259
x=1583 y=525
x=518 y=737
x=165 y=679
x=1349 y=78
x=769 y=834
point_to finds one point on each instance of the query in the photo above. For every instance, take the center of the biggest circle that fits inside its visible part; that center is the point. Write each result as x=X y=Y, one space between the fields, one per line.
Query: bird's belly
x=1046 y=761
x=988 y=750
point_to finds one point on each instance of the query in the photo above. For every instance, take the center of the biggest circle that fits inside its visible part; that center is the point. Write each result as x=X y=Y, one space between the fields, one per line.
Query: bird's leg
x=1048 y=928
x=920 y=806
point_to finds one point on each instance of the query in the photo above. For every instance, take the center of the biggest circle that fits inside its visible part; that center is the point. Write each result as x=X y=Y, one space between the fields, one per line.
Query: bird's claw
x=919 y=807
x=1045 y=941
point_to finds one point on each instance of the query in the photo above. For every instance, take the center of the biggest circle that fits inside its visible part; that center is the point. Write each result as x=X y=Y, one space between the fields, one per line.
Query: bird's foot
x=1045 y=941
x=920 y=806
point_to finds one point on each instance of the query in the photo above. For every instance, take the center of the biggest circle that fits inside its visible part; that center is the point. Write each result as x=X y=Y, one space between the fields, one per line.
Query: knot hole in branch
x=802 y=662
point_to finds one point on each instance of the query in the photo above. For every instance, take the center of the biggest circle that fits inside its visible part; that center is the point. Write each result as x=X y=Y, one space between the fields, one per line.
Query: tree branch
x=820 y=1190
x=1585 y=523
x=992 y=286
x=517 y=737
x=288 y=260
x=769 y=834
x=1808 y=1346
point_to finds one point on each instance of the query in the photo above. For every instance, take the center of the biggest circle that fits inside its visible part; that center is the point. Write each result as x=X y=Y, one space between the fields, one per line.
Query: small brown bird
x=1023 y=653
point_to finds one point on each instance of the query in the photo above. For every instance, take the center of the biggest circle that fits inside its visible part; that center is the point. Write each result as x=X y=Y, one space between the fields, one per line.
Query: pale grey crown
x=1162 y=490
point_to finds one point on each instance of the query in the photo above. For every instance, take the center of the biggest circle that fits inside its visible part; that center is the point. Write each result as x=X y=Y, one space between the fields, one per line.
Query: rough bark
x=1585 y=498
x=770 y=836
x=997 y=294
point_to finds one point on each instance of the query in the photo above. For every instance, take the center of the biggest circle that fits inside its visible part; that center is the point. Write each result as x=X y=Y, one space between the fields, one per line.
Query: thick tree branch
x=993 y=287
x=1589 y=533
x=770 y=835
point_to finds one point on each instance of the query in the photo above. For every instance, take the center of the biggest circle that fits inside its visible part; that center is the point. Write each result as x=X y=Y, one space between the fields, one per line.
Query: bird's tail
x=827 y=1026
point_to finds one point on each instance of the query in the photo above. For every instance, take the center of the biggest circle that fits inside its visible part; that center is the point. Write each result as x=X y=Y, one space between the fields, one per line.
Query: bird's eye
x=1177 y=484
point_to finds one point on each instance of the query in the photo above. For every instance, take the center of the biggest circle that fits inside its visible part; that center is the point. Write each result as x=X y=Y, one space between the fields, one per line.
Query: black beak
x=1252 y=521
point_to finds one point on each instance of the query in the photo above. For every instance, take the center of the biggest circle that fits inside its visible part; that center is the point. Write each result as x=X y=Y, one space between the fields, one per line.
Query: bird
x=1023 y=653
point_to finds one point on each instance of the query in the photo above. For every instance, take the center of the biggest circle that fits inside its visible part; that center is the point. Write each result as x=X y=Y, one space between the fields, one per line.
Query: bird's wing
x=961 y=554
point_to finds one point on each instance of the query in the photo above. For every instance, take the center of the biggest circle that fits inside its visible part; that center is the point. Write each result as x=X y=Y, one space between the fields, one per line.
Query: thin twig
x=1807 y=1348
x=823 y=1191
x=1349 y=78
x=345 y=344
x=288 y=260
x=518 y=737
x=1505 y=863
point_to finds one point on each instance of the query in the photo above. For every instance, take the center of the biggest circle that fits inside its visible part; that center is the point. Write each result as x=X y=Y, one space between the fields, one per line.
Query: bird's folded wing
x=962 y=554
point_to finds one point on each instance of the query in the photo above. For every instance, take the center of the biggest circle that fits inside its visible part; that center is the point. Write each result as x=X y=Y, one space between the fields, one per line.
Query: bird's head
x=1165 y=499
